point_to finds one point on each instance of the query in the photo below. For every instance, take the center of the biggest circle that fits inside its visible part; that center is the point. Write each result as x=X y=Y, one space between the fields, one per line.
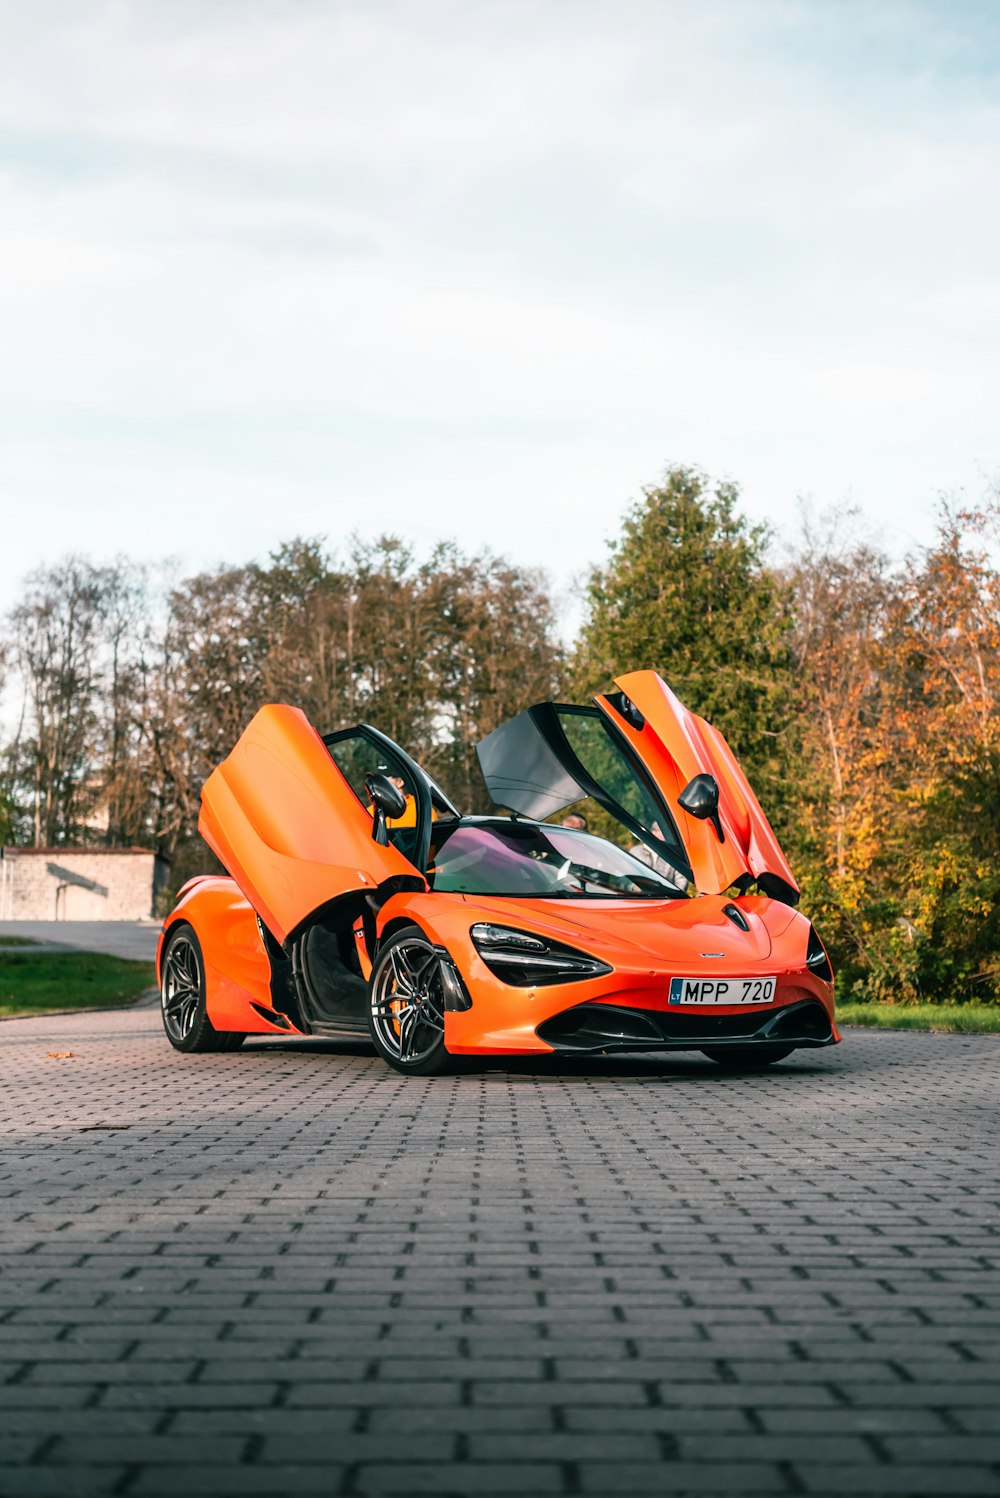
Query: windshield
x=538 y=861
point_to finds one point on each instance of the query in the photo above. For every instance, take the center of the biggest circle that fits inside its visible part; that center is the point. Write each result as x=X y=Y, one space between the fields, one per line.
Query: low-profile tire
x=747 y=1057
x=182 y=997
x=406 y=1005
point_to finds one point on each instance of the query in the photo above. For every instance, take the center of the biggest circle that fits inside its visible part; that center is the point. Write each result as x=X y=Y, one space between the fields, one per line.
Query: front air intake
x=596 y=1027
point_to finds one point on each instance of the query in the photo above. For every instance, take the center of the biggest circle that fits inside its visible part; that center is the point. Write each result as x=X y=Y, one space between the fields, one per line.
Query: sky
x=482 y=270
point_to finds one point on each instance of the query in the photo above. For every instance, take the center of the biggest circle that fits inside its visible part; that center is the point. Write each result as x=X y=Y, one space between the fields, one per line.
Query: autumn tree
x=307 y=621
x=494 y=653
x=201 y=687
x=435 y=653
x=54 y=644
x=8 y=807
x=943 y=674
x=896 y=834
x=843 y=590
x=122 y=726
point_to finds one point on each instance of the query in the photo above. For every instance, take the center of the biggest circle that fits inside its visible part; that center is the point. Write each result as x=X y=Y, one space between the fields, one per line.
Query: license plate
x=722 y=990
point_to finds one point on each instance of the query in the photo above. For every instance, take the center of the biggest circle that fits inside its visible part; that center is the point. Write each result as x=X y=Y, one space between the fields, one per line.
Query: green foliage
x=7 y=814
x=686 y=591
x=955 y=1019
x=954 y=884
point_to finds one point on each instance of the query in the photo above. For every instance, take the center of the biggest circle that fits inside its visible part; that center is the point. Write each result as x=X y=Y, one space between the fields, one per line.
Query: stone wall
x=74 y=884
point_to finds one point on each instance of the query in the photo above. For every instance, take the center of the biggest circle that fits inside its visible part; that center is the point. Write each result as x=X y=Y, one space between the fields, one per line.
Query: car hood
x=669 y=931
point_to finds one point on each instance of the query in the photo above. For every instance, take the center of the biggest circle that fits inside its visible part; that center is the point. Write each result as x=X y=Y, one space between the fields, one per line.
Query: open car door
x=634 y=753
x=290 y=828
x=555 y=754
x=675 y=745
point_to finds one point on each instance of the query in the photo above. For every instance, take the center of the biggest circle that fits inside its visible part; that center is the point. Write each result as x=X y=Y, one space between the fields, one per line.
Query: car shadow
x=625 y=1064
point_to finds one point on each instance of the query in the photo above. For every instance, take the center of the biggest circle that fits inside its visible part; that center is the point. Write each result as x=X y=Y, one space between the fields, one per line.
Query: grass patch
x=34 y=981
x=17 y=941
x=953 y=1018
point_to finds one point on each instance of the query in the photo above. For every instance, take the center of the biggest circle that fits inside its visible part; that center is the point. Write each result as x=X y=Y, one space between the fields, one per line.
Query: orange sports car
x=361 y=902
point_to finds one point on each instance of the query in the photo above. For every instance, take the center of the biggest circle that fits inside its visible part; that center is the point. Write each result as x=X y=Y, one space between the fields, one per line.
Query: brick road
x=290 y=1271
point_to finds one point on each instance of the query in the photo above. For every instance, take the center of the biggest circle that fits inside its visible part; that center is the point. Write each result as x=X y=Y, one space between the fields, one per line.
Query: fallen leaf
x=59 y=1055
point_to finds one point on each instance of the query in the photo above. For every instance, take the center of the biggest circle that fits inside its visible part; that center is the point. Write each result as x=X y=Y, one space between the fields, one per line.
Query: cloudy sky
x=481 y=270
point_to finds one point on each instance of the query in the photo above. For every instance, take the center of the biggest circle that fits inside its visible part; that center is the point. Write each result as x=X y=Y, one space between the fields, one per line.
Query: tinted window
x=601 y=757
x=356 y=756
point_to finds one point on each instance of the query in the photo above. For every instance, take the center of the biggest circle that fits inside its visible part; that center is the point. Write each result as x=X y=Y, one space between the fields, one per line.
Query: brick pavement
x=290 y=1271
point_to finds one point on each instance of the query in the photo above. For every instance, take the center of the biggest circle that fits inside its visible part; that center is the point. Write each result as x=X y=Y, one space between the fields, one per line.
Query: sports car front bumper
x=604 y=1027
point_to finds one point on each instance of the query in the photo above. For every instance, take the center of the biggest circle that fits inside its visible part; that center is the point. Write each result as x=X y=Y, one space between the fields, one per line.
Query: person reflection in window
x=409 y=816
x=659 y=865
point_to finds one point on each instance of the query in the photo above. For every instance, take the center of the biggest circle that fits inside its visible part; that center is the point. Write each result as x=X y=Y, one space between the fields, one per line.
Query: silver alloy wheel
x=407 y=1002
x=180 y=992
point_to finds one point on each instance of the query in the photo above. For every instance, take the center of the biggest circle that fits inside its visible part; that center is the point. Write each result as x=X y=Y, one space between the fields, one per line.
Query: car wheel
x=406 y=1005
x=182 y=998
x=747 y=1057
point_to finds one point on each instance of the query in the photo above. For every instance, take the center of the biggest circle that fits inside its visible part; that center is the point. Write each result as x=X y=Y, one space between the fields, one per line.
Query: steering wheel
x=583 y=874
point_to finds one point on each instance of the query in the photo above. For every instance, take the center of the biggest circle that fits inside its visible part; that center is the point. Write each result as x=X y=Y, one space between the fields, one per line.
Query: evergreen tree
x=686 y=591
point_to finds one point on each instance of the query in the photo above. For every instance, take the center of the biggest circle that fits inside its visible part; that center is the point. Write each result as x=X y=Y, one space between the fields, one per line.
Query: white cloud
x=483 y=270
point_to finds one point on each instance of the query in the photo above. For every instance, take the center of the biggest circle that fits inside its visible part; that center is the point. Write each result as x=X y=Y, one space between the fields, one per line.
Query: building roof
x=66 y=850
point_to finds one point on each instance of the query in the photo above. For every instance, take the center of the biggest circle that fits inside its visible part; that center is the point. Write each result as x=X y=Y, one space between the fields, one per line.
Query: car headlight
x=524 y=960
x=816 y=959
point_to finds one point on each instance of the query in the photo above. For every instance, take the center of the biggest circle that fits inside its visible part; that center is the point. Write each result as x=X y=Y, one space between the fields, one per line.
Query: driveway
x=289 y=1270
x=135 y=939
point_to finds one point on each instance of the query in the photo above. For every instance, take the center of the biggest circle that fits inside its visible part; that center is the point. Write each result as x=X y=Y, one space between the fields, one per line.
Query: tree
x=896 y=833
x=123 y=727
x=8 y=806
x=201 y=686
x=54 y=643
x=686 y=590
x=943 y=673
x=843 y=593
x=494 y=653
x=434 y=653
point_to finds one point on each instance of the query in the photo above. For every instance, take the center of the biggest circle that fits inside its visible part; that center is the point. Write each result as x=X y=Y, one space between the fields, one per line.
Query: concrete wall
x=67 y=884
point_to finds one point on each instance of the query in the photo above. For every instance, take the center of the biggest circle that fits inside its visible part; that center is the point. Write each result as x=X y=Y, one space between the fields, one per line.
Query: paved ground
x=118 y=938
x=290 y=1271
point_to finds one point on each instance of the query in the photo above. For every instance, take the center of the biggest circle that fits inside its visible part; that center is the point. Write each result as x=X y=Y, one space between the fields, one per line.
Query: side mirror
x=387 y=801
x=700 y=798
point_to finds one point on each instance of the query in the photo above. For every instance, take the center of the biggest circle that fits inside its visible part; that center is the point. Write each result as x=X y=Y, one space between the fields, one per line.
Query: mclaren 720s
x=360 y=902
